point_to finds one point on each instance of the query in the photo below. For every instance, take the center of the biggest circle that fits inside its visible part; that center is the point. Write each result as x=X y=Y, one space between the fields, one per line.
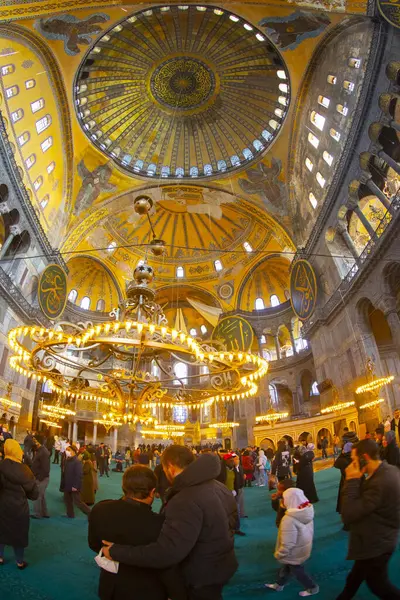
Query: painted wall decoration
x=235 y=333
x=52 y=291
x=263 y=181
x=93 y=184
x=390 y=11
x=303 y=289
x=73 y=31
x=289 y=31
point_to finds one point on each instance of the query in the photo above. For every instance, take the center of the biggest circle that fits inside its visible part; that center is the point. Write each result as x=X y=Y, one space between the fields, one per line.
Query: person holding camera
x=371 y=510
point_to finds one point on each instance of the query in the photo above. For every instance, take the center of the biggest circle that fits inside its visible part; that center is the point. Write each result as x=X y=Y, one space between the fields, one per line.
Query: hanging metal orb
x=142 y=205
x=157 y=247
x=143 y=274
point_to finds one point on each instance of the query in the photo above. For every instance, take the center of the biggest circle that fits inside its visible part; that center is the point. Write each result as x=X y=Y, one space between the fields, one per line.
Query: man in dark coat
x=101 y=459
x=162 y=483
x=41 y=470
x=28 y=445
x=305 y=473
x=73 y=476
x=395 y=425
x=17 y=485
x=200 y=516
x=130 y=520
x=371 y=511
x=324 y=446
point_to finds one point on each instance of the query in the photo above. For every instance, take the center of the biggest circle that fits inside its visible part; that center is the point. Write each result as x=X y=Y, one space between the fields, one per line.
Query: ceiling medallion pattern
x=182 y=92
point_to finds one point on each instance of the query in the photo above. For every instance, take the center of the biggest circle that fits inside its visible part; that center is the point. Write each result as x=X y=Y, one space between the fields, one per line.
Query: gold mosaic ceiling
x=182 y=92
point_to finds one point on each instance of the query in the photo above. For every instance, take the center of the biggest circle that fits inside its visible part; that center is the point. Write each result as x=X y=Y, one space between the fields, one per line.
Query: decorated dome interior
x=91 y=286
x=182 y=92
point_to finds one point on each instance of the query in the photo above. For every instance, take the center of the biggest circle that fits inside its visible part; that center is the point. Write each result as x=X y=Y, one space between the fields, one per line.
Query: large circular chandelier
x=126 y=365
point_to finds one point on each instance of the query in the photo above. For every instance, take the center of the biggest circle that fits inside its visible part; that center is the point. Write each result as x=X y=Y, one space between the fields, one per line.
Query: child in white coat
x=294 y=542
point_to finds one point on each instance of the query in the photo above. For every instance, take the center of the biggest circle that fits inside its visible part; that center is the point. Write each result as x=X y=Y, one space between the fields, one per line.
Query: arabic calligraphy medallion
x=235 y=333
x=303 y=289
x=52 y=291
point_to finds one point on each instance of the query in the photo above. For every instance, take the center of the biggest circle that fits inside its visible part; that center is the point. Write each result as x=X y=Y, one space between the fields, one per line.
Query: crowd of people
x=191 y=540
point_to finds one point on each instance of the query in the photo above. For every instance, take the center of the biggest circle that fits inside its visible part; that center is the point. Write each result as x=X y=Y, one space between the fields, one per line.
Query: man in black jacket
x=41 y=470
x=73 y=474
x=395 y=425
x=371 y=510
x=130 y=520
x=200 y=516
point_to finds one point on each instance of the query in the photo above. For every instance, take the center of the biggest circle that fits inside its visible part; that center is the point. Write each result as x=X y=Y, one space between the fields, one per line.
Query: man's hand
x=106 y=549
x=74 y=490
x=353 y=471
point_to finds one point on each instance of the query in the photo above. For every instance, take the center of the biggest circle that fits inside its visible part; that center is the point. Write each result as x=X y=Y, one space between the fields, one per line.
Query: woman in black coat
x=390 y=451
x=305 y=474
x=17 y=485
x=341 y=463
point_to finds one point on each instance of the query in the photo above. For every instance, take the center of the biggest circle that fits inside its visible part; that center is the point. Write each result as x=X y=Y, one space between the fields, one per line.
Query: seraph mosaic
x=289 y=31
x=264 y=181
x=93 y=184
x=73 y=31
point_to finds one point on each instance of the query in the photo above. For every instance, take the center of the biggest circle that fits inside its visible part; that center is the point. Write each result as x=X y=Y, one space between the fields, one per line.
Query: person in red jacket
x=248 y=468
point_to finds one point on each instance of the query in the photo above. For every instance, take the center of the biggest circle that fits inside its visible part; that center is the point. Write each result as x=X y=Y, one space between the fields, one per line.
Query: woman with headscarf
x=341 y=463
x=262 y=465
x=305 y=473
x=391 y=449
x=89 y=487
x=17 y=485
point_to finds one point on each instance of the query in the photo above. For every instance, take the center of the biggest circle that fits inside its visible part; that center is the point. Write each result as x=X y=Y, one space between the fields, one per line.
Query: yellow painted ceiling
x=91 y=279
x=270 y=278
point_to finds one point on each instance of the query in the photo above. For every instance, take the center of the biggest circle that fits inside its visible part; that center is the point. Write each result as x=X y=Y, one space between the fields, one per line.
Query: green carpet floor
x=61 y=565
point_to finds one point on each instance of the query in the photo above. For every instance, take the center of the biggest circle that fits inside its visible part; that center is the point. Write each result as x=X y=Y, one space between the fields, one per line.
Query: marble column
x=277 y=348
x=14 y=230
x=342 y=229
x=379 y=194
x=69 y=430
x=290 y=329
x=390 y=161
x=14 y=430
x=365 y=222
x=94 y=433
x=114 y=442
x=75 y=432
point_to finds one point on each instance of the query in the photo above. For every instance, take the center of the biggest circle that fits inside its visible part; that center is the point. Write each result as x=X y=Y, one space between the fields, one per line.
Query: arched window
x=247 y=154
x=355 y=63
x=29 y=84
x=314 y=141
x=180 y=371
x=50 y=168
x=328 y=158
x=126 y=160
x=332 y=79
x=259 y=304
x=313 y=200
x=72 y=296
x=111 y=246
x=258 y=145
x=218 y=265
x=30 y=161
x=267 y=135
x=320 y=179
x=235 y=160
x=37 y=105
x=24 y=138
x=101 y=305
x=348 y=85
x=151 y=169
x=43 y=123
x=342 y=109
x=85 y=303
x=46 y=144
x=317 y=120
x=247 y=247
x=180 y=414
x=38 y=183
x=179 y=172
x=17 y=115
x=283 y=87
x=207 y=170
x=193 y=332
x=274 y=300
x=203 y=329
x=194 y=172
x=282 y=100
x=314 y=389
x=263 y=339
x=12 y=91
x=138 y=166
x=7 y=69
x=274 y=124
x=309 y=164
x=165 y=171
x=44 y=202
x=324 y=101
x=281 y=74
x=180 y=272
x=221 y=166
x=279 y=112
x=334 y=134
x=273 y=394
x=155 y=369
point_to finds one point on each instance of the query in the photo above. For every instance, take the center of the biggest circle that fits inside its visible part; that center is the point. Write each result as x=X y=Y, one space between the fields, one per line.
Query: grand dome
x=182 y=92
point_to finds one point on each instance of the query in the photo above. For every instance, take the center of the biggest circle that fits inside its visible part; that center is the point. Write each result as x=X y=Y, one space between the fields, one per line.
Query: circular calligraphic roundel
x=235 y=333
x=390 y=11
x=303 y=289
x=52 y=291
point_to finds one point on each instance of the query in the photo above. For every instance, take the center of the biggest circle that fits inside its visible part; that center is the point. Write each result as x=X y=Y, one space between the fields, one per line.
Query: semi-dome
x=182 y=92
